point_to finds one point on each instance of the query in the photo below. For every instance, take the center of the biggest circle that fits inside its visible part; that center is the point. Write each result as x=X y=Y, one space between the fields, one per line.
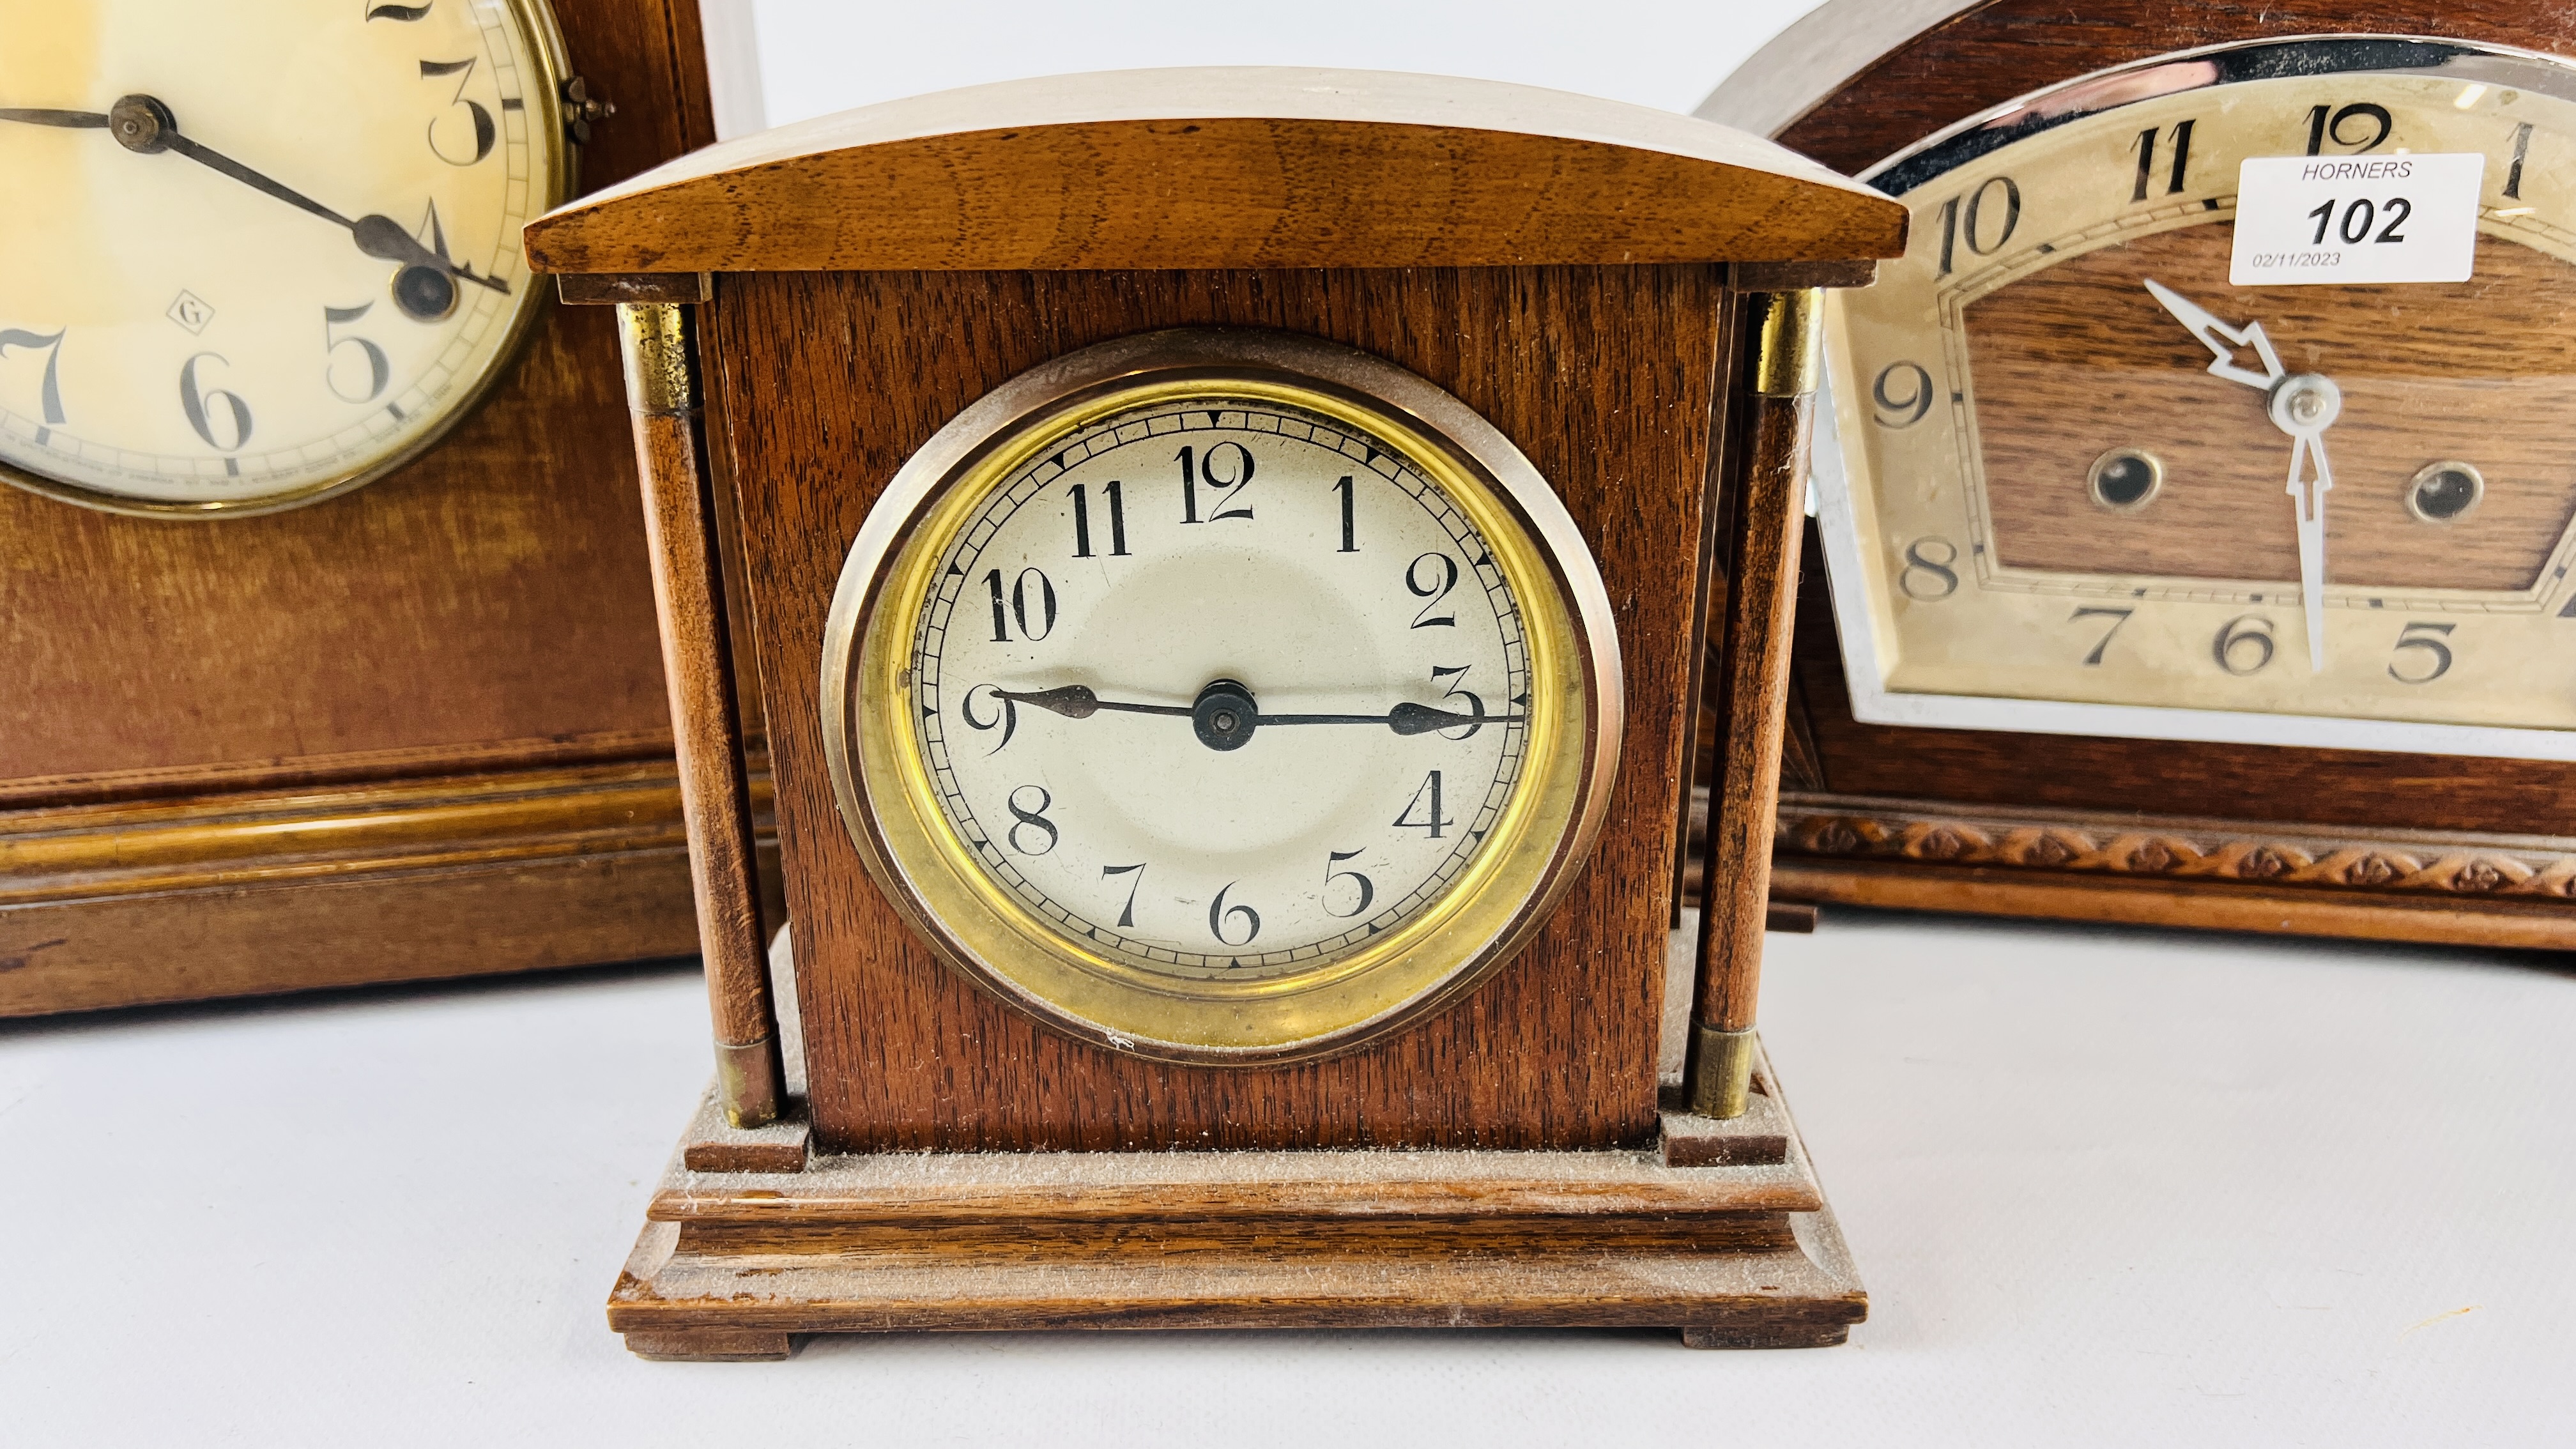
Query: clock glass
x=1238 y=705
x=2090 y=486
x=261 y=254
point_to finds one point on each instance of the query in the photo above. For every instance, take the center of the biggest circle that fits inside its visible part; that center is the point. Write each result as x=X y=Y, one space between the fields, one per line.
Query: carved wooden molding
x=1841 y=827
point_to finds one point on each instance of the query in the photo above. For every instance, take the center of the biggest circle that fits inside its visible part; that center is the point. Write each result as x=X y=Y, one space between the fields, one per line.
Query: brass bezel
x=536 y=19
x=982 y=931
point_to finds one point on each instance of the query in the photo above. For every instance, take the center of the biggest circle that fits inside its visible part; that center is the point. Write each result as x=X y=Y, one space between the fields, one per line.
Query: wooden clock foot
x=1717 y=1227
x=708 y=1345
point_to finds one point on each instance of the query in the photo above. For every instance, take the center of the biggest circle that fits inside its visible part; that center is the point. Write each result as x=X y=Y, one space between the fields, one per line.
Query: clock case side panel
x=454 y=667
x=831 y=380
x=2405 y=847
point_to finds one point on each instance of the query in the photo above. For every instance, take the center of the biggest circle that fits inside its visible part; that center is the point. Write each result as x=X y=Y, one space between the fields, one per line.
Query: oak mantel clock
x=2199 y=551
x=324 y=606
x=1227 y=552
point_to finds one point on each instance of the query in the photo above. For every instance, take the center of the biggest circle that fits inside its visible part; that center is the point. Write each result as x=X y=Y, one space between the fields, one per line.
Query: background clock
x=2266 y=579
x=414 y=730
x=247 y=295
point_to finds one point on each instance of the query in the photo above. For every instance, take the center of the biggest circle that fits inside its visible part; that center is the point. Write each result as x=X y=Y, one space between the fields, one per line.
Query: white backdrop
x=789 y=60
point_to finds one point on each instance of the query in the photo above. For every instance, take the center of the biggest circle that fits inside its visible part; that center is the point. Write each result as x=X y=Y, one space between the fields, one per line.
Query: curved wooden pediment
x=1214 y=168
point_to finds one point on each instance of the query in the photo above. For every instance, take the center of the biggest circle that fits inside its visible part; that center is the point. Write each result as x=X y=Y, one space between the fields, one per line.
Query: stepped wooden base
x=1740 y=1253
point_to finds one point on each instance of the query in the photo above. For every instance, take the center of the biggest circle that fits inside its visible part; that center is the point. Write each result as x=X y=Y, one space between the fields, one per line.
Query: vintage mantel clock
x=267 y=728
x=2257 y=545
x=1226 y=554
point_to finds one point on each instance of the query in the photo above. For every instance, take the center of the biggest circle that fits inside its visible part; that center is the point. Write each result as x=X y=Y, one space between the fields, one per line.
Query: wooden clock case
x=2244 y=837
x=928 y=1156
x=414 y=731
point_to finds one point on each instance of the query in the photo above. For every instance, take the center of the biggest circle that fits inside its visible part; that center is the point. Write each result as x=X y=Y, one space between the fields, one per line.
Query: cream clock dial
x=1237 y=702
x=2093 y=488
x=261 y=254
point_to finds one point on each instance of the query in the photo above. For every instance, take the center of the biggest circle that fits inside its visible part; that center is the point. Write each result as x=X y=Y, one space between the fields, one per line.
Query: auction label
x=2321 y=219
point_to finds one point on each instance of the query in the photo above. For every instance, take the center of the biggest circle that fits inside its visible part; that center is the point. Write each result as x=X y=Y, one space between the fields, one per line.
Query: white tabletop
x=2104 y=1187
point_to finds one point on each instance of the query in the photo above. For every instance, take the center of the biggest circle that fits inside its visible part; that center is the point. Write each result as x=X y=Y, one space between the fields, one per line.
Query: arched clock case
x=2063 y=647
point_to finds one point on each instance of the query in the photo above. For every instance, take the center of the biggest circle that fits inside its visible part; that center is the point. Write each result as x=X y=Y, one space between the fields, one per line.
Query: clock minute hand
x=142 y=124
x=2222 y=340
x=2304 y=407
x=1404 y=719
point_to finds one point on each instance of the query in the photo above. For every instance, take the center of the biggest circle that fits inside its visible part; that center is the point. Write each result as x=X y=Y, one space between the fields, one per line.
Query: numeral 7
x=2117 y=617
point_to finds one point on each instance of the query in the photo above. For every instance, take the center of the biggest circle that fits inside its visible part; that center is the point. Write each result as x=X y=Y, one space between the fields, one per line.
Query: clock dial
x=2086 y=470
x=277 y=250
x=1224 y=686
x=1252 y=711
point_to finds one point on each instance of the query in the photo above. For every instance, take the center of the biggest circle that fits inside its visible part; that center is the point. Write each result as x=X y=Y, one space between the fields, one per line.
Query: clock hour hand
x=2222 y=340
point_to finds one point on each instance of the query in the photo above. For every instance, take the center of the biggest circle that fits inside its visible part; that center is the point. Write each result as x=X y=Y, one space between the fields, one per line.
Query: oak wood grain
x=1736 y=1253
x=120 y=903
x=1603 y=376
x=2080 y=358
x=1750 y=693
x=1225 y=168
x=715 y=792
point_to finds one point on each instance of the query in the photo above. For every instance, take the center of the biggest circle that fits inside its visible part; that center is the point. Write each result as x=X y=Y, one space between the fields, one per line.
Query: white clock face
x=1222 y=688
x=260 y=252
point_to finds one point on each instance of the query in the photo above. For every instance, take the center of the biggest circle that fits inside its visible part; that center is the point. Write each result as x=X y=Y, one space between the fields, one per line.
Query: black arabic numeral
x=1426 y=796
x=1957 y=227
x=50 y=395
x=379 y=368
x=1196 y=470
x=1350 y=536
x=1018 y=611
x=1082 y=521
x=2117 y=617
x=2322 y=129
x=2145 y=146
x=1447 y=579
x=484 y=131
x=1025 y=816
x=1940 y=576
x=2247 y=637
x=1368 y=889
x=1906 y=411
x=193 y=401
x=2431 y=639
x=1220 y=914
x=1127 y=916
x=1007 y=717
x=2399 y=208
x=1475 y=706
x=2521 y=153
